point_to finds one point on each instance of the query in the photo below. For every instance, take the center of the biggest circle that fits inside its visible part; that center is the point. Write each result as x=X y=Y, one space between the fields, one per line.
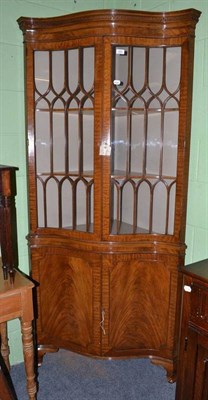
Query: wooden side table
x=7 y=391
x=16 y=302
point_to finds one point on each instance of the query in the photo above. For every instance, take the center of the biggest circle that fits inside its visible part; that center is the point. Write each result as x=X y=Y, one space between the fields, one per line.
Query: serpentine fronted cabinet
x=109 y=97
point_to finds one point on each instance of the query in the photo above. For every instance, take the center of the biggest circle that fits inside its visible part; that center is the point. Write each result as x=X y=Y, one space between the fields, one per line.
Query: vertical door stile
x=106 y=128
x=98 y=135
x=80 y=123
x=105 y=303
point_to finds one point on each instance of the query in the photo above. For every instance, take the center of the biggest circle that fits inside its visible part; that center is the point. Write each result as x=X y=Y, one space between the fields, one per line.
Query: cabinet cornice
x=110 y=22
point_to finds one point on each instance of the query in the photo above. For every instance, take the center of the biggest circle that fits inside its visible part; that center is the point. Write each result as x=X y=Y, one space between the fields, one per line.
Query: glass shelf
x=80 y=228
x=120 y=174
x=141 y=111
x=84 y=174
x=124 y=228
x=75 y=111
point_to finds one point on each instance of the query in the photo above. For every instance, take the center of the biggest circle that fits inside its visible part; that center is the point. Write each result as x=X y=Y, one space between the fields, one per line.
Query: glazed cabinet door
x=68 y=298
x=137 y=300
x=144 y=94
x=64 y=93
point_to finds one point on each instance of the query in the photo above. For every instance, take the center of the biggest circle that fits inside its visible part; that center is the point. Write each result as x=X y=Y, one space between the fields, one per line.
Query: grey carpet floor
x=68 y=376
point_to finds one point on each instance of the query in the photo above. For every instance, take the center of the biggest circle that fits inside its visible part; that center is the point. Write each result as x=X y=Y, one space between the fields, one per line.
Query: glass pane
x=58 y=142
x=84 y=194
x=127 y=196
x=137 y=143
x=40 y=201
x=73 y=142
x=88 y=142
x=121 y=67
x=52 y=203
x=143 y=208
x=67 y=193
x=41 y=71
x=138 y=79
x=172 y=195
x=118 y=143
x=155 y=75
x=159 y=208
x=58 y=71
x=81 y=204
x=173 y=68
x=144 y=138
x=64 y=138
x=170 y=143
x=73 y=69
x=153 y=144
x=42 y=139
x=88 y=68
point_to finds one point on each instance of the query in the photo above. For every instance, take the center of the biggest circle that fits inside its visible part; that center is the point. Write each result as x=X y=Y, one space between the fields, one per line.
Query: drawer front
x=10 y=307
x=199 y=305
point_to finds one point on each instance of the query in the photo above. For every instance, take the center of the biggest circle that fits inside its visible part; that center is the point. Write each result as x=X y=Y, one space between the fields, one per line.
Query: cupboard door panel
x=139 y=303
x=69 y=298
x=201 y=382
x=190 y=366
x=195 y=382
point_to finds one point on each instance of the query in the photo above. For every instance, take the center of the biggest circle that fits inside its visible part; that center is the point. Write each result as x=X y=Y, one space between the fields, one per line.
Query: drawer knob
x=187 y=288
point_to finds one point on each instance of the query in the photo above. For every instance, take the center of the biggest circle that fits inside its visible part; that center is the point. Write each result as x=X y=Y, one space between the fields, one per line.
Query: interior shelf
x=84 y=174
x=75 y=111
x=125 y=228
x=119 y=174
x=140 y=111
x=81 y=228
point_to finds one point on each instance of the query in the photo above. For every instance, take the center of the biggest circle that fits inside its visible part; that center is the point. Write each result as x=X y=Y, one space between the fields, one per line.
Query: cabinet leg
x=169 y=366
x=44 y=349
x=4 y=344
x=28 y=350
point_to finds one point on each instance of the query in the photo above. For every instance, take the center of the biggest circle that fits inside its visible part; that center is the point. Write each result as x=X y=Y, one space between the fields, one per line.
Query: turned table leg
x=4 y=344
x=28 y=351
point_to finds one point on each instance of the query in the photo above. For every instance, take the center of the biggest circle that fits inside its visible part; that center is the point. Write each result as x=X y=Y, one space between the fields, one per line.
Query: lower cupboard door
x=69 y=300
x=192 y=383
x=139 y=302
x=201 y=367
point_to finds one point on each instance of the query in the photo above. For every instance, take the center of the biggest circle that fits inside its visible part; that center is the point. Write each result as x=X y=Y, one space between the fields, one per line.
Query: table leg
x=6 y=392
x=4 y=344
x=28 y=351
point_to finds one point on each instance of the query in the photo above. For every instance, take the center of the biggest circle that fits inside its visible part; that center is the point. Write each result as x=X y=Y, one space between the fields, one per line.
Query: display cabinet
x=108 y=96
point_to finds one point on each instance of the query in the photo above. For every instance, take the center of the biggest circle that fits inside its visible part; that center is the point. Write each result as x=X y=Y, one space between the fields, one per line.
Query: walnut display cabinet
x=109 y=96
